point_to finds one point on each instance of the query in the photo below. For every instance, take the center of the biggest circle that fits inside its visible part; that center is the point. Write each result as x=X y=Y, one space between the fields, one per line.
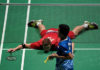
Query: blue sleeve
x=66 y=52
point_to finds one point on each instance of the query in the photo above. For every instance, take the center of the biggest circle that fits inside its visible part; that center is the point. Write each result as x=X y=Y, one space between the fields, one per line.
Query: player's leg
x=41 y=27
x=78 y=29
x=86 y=25
x=37 y=24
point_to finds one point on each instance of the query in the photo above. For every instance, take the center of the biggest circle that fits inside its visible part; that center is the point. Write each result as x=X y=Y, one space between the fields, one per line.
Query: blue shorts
x=58 y=68
x=66 y=65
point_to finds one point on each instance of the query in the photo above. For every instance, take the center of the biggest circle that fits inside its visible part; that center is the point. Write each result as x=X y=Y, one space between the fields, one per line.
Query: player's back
x=64 y=48
x=52 y=34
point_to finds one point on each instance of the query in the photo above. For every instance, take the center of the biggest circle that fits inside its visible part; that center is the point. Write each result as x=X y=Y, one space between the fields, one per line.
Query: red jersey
x=52 y=34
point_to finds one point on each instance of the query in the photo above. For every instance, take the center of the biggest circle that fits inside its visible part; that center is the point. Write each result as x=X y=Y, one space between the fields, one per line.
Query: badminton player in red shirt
x=49 y=38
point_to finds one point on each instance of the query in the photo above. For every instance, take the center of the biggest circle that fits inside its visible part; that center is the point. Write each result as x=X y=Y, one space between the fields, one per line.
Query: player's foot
x=91 y=25
x=34 y=23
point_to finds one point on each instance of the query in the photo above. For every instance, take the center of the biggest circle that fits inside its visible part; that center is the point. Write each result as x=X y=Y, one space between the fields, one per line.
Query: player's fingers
x=51 y=57
x=10 y=50
x=13 y=50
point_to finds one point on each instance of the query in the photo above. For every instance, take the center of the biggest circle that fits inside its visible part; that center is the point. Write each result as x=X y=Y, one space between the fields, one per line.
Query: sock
x=85 y=25
x=38 y=23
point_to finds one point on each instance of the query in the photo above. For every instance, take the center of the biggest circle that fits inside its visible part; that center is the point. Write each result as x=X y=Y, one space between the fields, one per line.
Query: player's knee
x=75 y=32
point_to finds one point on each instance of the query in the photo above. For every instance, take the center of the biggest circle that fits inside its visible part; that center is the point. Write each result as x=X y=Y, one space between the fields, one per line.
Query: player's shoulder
x=62 y=43
x=67 y=40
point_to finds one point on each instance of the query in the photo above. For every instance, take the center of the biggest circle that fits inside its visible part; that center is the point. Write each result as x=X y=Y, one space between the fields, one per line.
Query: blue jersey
x=63 y=49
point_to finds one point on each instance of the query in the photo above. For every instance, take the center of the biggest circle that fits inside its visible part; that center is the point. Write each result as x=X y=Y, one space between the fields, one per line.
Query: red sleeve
x=35 y=45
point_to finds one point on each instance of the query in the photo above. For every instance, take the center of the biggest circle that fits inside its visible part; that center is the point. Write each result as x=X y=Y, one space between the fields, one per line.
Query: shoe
x=91 y=25
x=33 y=23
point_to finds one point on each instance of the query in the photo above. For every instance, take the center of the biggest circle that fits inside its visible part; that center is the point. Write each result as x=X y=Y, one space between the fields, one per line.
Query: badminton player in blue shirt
x=64 y=55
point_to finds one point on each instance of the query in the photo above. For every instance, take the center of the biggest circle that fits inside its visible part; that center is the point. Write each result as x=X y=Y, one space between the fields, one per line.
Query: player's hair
x=46 y=41
x=64 y=29
x=46 y=44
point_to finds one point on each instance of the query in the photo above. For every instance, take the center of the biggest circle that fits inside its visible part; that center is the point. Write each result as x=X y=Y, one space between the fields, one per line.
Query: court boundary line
x=4 y=29
x=25 y=37
x=75 y=49
x=54 y=4
x=87 y=49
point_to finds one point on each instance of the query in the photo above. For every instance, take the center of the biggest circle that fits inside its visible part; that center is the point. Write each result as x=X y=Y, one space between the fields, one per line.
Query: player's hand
x=54 y=55
x=11 y=50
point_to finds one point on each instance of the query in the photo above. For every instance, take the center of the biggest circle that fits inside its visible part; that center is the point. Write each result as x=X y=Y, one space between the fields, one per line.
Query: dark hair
x=64 y=29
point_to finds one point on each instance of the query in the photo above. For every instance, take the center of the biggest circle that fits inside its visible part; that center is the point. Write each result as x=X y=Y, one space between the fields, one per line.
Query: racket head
x=11 y=58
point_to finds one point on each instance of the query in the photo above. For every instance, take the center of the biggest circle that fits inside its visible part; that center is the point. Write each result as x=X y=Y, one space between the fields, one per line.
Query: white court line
x=25 y=37
x=4 y=28
x=55 y=4
x=87 y=49
x=84 y=49
x=20 y=49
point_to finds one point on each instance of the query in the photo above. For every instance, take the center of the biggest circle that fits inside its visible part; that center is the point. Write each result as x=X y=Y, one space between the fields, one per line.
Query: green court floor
x=87 y=44
x=34 y=59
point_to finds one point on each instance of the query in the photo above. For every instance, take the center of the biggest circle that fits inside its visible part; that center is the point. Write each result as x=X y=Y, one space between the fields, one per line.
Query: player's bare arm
x=19 y=47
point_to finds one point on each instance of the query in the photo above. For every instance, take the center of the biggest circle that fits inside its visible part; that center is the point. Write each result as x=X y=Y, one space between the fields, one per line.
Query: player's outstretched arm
x=19 y=47
x=73 y=44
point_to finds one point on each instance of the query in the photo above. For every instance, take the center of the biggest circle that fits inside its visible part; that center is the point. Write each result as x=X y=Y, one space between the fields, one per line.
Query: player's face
x=47 y=47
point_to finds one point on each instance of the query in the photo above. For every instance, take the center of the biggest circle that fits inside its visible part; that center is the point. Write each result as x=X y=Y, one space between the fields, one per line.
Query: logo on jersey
x=51 y=39
x=69 y=44
x=49 y=31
